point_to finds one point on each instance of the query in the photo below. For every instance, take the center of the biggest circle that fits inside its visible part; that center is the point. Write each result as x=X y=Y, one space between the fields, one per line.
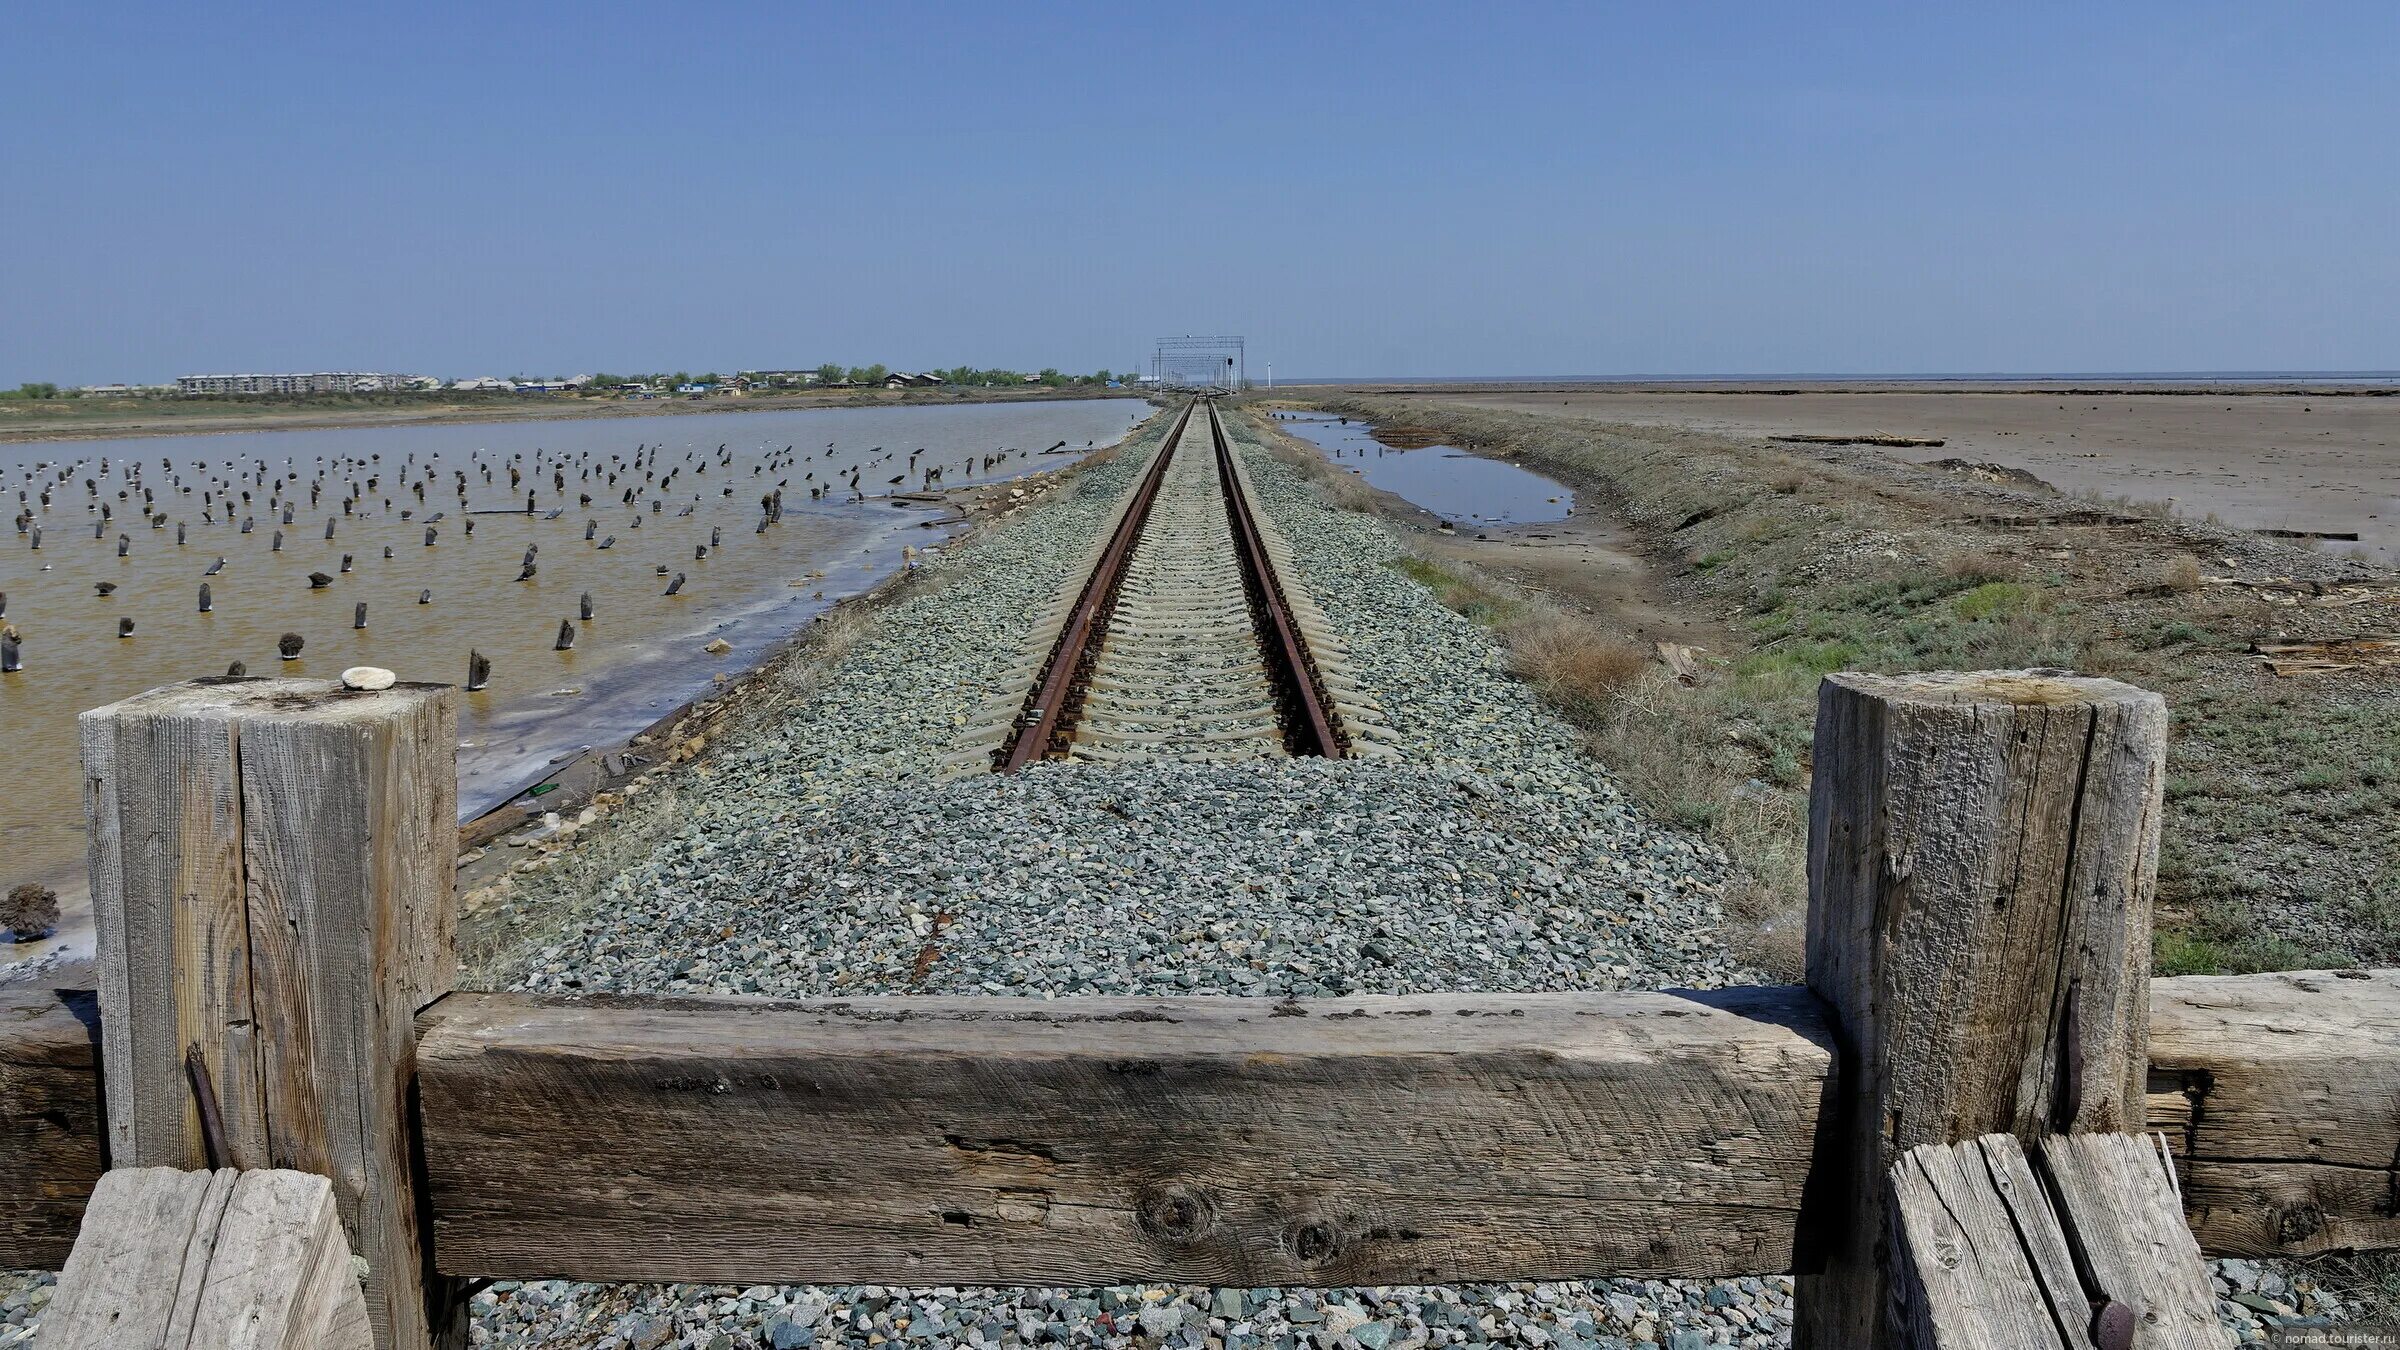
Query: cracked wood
x=1221 y=1140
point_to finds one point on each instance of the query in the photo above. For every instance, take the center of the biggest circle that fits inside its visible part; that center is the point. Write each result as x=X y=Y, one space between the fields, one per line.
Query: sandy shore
x=2259 y=458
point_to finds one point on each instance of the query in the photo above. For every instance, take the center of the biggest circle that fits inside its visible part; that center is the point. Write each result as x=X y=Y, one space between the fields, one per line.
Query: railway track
x=1184 y=638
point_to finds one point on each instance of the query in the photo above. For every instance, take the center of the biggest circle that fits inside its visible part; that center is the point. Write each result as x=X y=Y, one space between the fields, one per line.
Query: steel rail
x=1042 y=725
x=1308 y=724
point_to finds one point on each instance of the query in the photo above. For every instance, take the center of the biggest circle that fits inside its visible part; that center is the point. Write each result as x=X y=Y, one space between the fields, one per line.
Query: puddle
x=1453 y=484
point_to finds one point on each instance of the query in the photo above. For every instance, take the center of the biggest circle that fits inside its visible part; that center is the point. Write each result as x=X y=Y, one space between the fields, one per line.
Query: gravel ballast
x=1493 y=855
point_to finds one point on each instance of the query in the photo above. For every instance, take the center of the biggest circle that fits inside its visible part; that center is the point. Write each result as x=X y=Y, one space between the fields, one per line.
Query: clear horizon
x=1861 y=190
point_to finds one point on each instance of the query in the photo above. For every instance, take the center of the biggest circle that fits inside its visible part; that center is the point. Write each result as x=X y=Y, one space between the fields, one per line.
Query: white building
x=314 y=382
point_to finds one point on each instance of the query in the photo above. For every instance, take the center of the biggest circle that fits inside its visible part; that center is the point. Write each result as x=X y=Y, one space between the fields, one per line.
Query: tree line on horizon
x=832 y=373
x=827 y=374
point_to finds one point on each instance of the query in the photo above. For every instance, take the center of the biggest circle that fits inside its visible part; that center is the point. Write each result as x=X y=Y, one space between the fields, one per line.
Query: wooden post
x=271 y=867
x=1983 y=849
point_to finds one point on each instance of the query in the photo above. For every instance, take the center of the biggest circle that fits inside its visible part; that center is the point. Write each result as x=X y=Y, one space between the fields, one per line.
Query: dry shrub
x=2183 y=574
x=1982 y=565
x=1574 y=664
x=1787 y=484
x=1669 y=744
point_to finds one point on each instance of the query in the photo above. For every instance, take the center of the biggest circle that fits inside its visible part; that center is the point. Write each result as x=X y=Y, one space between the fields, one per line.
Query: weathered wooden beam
x=2296 y=1078
x=2281 y=1095
x=50 y=1123
x=1983 y=848
x=218 y=1260
x=2081 y=1244
x=271 y=866
x=1222 y=1140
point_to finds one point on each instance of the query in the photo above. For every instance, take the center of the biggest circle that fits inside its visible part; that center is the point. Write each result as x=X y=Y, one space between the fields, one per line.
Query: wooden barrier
x=271 y=866
x=1375 y=1140
x=50 y=1122
x=274 y=888
x=2280 y=1094
x=1982 y=850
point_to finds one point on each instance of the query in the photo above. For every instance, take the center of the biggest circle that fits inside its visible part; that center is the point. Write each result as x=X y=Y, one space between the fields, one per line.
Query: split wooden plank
x=1983 y=850
x=219 y=1260
x=2122 y=1215
x=1977 y=1261
x=271 y=873
x=2281 y=1095
x=1220 y=1140
x=51 y=1127
x=2083 y=1245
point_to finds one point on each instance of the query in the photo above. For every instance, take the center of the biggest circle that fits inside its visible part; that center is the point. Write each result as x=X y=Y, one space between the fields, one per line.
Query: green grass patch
x=1992 y=600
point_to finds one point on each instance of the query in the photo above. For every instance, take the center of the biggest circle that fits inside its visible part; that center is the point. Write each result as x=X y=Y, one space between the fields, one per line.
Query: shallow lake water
x=174 y=506
x=1444 y=479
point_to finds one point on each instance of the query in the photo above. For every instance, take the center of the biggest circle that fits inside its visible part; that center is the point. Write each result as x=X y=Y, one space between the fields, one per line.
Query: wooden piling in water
x=358 y=616
x=584 y=608
x=479 y=671
x=566 y=636
x=207 y=602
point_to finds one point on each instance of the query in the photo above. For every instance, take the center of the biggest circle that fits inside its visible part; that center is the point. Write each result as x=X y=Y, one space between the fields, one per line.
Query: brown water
x=697 y=484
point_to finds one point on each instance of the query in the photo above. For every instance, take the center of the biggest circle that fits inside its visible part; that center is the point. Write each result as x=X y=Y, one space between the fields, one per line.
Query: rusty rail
x=1052 y=710
x=1309 y=728
x=1043 y=724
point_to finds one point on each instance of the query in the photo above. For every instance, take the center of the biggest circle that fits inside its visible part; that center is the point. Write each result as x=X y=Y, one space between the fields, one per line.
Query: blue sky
x=1361 y=189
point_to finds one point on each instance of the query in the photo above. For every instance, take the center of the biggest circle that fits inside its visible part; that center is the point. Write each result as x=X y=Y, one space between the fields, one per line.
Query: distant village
x=680 y=384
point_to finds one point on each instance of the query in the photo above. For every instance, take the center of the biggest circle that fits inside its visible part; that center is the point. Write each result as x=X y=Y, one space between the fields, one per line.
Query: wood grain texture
x=2304 y=1066
x=349 y=855
x=2281 y=1095
x=1978 y=1263
x=1983 y=850
x=51 y=1127
x=1221 y=1140
x=219 y=1260
x=162 y=799
x=1995 y=1251
x=271 y=864
x=2117 y=1204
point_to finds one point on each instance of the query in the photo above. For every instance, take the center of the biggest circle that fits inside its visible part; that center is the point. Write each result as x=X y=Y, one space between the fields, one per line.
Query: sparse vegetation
x=2278 y=850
